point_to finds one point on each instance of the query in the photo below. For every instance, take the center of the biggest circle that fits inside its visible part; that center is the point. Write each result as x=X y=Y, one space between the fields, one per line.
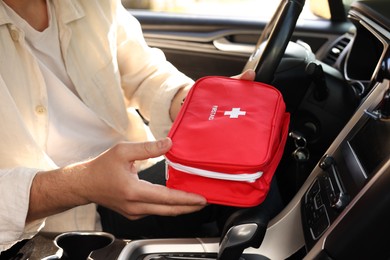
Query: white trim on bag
x=242 y=177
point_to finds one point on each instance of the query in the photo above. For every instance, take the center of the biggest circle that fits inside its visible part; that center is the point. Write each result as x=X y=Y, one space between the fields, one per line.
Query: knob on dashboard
x=336 y=192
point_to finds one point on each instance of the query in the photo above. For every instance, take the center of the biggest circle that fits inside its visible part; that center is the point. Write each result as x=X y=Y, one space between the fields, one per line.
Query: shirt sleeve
x=15 y=187
x=150 y=82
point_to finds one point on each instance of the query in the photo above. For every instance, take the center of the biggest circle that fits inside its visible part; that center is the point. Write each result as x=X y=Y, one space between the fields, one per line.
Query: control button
x=316 y=187
x=40 y=109
x=318 y=201
x=320 y=226
x=340 y=201
x=313 y=191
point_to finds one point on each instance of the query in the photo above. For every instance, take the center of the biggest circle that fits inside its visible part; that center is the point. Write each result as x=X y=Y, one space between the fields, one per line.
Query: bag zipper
x=242 y=177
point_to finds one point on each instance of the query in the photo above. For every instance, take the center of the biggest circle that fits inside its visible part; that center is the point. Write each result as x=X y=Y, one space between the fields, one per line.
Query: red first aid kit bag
x=227 y=141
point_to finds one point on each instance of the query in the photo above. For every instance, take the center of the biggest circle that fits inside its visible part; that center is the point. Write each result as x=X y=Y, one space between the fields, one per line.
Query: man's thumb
x=145 y=150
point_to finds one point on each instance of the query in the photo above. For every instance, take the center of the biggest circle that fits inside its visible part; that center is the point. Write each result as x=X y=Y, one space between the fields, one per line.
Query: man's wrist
x=177 y=102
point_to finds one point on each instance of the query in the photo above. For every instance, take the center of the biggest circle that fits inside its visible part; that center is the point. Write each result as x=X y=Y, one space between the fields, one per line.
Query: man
x=72 y=73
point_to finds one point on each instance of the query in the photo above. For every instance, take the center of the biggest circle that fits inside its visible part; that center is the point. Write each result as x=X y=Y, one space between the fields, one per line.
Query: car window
x=252 y=9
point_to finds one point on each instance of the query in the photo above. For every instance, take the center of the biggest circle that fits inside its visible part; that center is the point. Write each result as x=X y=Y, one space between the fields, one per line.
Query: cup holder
x=79 y=245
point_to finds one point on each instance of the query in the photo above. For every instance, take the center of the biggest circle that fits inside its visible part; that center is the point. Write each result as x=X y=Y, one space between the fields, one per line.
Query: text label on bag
x=213 y=112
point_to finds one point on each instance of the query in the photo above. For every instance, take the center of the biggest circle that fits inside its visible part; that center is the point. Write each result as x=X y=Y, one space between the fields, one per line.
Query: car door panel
x=200 y=45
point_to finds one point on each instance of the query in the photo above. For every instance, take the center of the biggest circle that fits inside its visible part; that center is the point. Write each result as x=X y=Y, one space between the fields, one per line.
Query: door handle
x=223 y=44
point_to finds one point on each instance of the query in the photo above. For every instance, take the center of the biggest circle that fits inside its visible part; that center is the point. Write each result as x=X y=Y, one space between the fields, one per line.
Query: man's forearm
x=55 y=191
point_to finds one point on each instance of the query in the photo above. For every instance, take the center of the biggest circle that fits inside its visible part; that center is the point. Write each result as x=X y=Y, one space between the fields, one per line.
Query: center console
x=344 y=174
x=355 y=166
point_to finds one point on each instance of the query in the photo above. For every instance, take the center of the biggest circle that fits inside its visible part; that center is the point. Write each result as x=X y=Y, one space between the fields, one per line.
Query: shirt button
x=15 y=35
x=40 y=109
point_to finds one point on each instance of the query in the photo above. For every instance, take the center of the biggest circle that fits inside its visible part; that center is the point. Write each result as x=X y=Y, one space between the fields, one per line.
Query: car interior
x=335 y=172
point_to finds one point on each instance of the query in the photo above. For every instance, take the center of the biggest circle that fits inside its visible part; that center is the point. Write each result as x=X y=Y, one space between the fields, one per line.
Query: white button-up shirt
x=107 y=59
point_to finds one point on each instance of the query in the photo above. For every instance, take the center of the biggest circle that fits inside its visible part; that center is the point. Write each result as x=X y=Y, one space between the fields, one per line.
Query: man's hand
x=120 y=189
x=246 y=75
x=111 y=180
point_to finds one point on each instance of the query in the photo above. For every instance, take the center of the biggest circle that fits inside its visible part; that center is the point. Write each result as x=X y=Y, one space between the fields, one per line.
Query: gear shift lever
x=245 y=228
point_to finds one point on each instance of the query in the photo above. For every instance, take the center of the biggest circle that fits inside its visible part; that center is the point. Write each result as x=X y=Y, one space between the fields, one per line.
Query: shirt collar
x=68 y=10
x=4 y=19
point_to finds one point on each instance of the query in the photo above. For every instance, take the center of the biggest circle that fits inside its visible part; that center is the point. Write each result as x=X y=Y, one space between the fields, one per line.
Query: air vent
x=336 y=50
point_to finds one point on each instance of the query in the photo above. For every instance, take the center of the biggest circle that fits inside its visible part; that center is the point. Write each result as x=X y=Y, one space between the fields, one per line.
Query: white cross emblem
x=235 y=113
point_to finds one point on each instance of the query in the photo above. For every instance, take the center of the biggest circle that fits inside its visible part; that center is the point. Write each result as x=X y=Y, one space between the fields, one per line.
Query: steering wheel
x=274 y=39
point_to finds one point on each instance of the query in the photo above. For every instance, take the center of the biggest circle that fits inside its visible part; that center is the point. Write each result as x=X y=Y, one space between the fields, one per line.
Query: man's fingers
x=246 y=75
x=140 y=210
x=152 y=199
x=158 y=194
x=145 y=150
